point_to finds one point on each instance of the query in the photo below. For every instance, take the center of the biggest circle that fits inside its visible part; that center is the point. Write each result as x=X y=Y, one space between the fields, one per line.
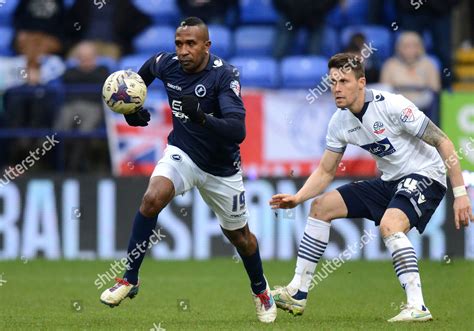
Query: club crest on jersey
x=407 y=115
x=380 y=148
x=200 y=90
x=235 y=86
x=378 y=127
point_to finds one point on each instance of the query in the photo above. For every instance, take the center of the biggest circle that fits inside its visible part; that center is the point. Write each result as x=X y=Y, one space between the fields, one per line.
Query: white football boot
x=265 y=305
x=412 y=314
x=285 y=301
x=117 y=293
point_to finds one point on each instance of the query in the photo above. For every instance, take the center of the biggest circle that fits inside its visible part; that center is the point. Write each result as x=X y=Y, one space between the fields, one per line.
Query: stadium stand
x=247 y=39
x=302 y=71
x=257 y=71
x=254 y=40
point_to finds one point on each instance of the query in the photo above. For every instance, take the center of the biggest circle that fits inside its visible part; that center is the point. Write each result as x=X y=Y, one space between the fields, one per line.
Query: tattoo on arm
x=433 y=135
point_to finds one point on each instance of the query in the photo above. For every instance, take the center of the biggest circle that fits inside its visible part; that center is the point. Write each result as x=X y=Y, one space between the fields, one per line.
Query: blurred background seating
x=276 y=44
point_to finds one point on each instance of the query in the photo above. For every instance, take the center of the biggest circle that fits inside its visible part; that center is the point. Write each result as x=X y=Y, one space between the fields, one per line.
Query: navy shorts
x=416 y=195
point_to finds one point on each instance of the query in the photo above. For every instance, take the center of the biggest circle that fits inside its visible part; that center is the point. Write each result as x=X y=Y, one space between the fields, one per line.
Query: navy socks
x=253 y=266
x=138 y=244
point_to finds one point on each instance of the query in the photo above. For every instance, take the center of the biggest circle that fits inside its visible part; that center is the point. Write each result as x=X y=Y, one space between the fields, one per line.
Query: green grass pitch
x=42 y=295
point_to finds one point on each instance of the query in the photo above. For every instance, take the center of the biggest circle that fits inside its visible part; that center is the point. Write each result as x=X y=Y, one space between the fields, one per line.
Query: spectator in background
x=38 y=31
x=82 y=111
x=307 y=14
x=210 y=11
x=412 y=72
x=31 y=103
x=372 y=63
x=433 y=16
x=111 y=25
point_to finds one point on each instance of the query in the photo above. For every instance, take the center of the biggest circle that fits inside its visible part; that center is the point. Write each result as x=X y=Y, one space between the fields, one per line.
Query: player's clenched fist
x=284 y=201
x=462 y=211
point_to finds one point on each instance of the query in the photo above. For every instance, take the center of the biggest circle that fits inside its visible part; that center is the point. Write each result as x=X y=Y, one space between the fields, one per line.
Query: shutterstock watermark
x=13 y=172
x=417 y=3
x=325 y=83
x=118 y=267
x=329 y=266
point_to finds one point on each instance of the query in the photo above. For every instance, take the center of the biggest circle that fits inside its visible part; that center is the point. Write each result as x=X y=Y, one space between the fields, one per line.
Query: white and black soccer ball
x=124 y=92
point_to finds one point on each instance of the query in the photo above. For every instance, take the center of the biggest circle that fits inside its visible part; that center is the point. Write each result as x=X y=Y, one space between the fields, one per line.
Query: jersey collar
x=210 y=64
x=368 y=97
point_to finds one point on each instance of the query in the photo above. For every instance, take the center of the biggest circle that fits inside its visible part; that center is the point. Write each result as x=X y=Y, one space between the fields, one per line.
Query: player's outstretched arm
x=462 y=205
x=315 y=185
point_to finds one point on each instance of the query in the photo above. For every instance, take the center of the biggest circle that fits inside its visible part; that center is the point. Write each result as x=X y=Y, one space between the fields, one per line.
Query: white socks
x=405 y=264
x=312 y=246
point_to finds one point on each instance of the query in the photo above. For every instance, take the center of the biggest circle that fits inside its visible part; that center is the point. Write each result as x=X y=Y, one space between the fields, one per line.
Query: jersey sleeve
x=153 y=68
x=408 y=117
x=230 y=98
x=159 y=62
x=334 y=142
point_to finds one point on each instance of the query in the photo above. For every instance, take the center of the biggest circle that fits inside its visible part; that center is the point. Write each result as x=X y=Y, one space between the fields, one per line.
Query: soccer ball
x=124 y=92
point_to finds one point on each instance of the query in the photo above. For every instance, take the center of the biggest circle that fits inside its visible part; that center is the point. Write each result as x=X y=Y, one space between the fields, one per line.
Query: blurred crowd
x=59 y=43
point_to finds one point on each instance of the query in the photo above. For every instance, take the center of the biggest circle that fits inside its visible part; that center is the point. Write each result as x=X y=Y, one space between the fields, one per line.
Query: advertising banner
x=91 y=218
x=457 y=121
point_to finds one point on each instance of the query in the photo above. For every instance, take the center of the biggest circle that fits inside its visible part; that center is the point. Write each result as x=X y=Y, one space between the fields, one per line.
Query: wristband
x=459 y=191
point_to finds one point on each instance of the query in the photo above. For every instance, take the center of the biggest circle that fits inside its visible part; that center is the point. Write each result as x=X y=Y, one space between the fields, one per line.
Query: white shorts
x=224 y=195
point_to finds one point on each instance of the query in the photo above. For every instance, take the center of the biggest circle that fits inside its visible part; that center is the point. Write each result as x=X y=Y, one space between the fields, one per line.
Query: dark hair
x=348 y=62
x=192 y=21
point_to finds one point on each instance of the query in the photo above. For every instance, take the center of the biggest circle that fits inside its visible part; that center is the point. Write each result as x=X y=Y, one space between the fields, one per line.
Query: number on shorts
x=238 y=202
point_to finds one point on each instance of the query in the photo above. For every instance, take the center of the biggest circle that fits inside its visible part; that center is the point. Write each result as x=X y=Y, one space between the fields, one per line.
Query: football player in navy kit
x=203 y=152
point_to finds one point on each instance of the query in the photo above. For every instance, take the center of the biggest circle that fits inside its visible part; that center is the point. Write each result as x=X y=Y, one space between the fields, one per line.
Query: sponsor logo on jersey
x=354 y=129
x=235 y=86
x=200 y=90
x=174 y=87
x=176 y=157
x=378 y=127
x=380 y=148
x=177 y=111
x=407 y=115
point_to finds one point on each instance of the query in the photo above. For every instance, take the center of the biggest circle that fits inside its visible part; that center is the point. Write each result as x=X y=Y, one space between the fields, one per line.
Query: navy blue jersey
x=218 y=90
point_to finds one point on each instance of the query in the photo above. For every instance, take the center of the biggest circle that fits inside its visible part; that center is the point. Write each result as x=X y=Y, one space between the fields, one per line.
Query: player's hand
x=283 y=201
x=190 y=107
x=138 y=118
x=462 y=211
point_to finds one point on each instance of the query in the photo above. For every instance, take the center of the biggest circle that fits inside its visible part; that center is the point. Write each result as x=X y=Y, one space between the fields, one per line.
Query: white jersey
x=389 y=127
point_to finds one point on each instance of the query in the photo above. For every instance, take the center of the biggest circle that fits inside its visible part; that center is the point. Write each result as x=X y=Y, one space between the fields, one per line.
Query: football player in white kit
x=411 y=152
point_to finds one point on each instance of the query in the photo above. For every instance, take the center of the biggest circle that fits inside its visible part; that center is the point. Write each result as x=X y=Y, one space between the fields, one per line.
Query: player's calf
x=247 y=247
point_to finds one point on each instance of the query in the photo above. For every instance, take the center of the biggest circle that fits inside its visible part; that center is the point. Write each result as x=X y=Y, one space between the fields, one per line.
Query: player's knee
x=319 y=211
x=392 y=222
x=151 y=204
x=389 y=226
x=385 y=229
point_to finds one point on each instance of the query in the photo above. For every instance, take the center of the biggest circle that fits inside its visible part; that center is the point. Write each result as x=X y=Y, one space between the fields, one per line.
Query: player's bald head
x=196 y=26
